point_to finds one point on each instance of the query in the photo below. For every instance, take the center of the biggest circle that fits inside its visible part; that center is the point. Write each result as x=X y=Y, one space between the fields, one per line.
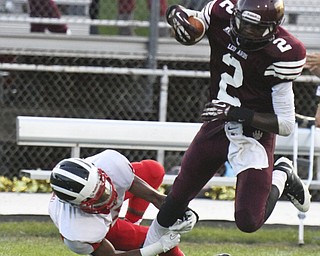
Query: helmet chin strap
x=88 y=206
x=249 y=46
x=249 y=36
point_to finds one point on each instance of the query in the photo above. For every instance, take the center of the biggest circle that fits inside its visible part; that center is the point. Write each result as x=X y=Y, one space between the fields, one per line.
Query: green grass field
x=35 y=238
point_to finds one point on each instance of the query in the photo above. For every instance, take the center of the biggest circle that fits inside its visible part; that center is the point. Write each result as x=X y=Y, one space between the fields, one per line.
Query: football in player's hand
x=198 y=24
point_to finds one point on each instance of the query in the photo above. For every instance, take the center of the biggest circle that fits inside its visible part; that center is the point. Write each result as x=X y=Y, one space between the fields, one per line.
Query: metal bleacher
x=301 y=19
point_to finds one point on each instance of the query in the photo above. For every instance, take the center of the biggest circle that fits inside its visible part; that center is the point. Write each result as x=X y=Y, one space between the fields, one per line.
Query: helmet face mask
x=254 y=23
x=105 y=197
x=83 y=185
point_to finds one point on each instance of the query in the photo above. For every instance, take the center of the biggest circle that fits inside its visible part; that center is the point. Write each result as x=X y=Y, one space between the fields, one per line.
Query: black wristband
x=241 y=115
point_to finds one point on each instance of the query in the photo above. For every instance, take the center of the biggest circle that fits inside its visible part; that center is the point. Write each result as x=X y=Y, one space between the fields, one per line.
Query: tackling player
x=88 y=195
x=253 y=62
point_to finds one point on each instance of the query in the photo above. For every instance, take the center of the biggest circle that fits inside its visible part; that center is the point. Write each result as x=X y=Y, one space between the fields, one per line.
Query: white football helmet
x=82 y=184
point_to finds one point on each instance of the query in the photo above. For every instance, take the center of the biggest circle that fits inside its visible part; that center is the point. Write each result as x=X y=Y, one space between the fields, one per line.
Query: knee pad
x=150 y=171
x=155 y=168
x=246 y=222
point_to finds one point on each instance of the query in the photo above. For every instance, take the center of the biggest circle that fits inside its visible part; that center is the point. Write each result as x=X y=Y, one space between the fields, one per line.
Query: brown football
x=198 y=24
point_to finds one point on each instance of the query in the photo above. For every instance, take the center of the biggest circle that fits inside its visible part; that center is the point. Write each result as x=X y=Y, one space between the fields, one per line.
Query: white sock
x=155 y=232
x=279 y=179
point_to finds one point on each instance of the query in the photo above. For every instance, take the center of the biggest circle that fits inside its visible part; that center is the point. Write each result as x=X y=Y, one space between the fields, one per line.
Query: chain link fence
x=58 y=93
x=110 y=96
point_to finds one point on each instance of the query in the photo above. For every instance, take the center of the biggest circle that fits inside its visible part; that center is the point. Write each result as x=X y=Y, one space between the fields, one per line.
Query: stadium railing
x=78 y=133
x=301 y=19
x=174 y=136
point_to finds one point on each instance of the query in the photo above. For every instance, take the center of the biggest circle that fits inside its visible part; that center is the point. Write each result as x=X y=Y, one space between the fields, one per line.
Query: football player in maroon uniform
x=253 y=62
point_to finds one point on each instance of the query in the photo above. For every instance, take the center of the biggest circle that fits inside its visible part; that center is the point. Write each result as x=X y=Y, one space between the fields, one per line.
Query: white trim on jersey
x=289 y=70
x=291 y=64
x=206 y=11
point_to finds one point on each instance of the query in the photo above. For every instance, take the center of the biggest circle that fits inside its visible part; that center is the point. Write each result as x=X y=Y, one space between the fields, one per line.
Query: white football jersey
x=76 y=225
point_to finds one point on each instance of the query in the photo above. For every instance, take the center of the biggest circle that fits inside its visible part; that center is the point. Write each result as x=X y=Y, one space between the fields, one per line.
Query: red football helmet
x=82 y=184
x=254 y=23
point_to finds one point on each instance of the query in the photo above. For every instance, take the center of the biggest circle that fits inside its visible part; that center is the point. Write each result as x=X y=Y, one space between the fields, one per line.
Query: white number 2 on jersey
x=282 y=44
x=226 y=79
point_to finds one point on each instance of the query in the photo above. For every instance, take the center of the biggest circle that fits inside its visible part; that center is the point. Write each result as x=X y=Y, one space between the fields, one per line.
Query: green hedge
x=25 y=184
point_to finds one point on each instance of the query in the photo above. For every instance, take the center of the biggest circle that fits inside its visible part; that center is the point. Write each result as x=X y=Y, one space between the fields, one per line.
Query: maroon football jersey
x=246 y=78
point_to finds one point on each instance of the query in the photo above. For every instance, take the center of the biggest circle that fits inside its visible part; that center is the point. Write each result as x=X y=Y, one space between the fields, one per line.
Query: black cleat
x=295 y=190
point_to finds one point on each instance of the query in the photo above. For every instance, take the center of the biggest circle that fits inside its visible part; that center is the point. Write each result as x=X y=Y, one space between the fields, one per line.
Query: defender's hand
x=190 y=219
x=169 y=240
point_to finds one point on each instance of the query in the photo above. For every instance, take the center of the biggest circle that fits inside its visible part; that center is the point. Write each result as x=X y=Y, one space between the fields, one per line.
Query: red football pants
x=124 y=235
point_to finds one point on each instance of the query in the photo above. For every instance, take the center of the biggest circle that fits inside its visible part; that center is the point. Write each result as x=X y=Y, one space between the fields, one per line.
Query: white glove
x=169 y=240
x=183 y=226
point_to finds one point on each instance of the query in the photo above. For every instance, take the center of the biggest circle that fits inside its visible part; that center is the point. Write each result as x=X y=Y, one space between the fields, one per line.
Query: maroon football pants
x=207 y=152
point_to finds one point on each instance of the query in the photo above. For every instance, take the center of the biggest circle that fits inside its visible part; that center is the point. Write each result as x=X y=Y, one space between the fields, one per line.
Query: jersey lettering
x=282 y=44
x=228 y=5
x=239 y=52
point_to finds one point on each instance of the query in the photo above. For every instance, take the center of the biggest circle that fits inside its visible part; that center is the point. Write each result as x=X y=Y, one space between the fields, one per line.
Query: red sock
x=175 y=251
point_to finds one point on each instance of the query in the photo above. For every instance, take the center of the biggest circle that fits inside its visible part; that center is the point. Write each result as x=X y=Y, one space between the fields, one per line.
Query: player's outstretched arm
x=143 y=190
